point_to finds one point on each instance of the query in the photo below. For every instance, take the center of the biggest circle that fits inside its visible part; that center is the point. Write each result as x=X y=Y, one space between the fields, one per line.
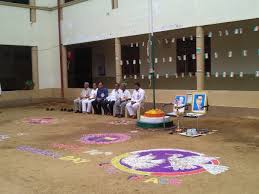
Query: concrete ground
x=235 y=141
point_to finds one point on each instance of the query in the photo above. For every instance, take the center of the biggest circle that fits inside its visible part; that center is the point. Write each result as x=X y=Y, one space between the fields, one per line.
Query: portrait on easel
x=179 y=103
x=199 y=103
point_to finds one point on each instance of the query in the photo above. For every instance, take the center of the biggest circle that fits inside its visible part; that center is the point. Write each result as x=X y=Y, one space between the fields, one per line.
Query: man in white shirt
x=87 y=103
x=137 y=97
x=120 y=104
x=112 y=98
x=84 y=95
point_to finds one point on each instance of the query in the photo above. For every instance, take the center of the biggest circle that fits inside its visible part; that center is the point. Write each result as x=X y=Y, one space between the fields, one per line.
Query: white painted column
x=118 y=60
x=35 y=71
x=200 y=72
x=115 y=4
x=32 y=11
x=65 y=79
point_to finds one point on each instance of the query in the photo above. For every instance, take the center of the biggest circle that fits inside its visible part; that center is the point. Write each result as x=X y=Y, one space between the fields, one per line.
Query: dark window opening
x=18 y=1
x=186 y=63
x=130 y=58
x=79 y=66
x=15 y=67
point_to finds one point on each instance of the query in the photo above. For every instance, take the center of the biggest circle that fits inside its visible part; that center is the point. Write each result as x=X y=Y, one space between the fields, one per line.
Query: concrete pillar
x=118 y=70
x=64 y=52
x=62 y=2
x=35 y=72
x=200 y=72
x=32 y=11
x=115 y=4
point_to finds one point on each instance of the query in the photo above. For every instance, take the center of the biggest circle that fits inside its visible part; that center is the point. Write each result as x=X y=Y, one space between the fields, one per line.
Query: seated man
x=84 y=95
x=99 y=102
x=120 y=104
x=112 y=98
x=87 y=103
x=137 y=98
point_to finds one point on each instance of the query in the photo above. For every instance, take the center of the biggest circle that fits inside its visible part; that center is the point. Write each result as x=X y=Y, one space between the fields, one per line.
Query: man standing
x=138 y=97
x=112 y=98
x=120 y=104
x=84 y=95
x=99 y=102
x=87 y=103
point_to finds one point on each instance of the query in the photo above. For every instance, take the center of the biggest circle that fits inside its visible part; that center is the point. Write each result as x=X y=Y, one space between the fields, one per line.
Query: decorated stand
x=154 y=118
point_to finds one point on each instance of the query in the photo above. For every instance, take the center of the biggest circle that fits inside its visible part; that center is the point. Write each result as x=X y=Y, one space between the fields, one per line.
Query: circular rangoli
x=167 y=162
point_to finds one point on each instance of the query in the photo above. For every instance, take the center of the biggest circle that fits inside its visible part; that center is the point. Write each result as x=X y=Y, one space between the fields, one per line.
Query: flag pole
x=151 y=51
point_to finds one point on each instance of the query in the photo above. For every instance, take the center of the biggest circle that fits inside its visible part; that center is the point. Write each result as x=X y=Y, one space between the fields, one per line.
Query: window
x=18 y=1
x=15 y=67
x=186 y=63
x=130 y=58
x=115 y=4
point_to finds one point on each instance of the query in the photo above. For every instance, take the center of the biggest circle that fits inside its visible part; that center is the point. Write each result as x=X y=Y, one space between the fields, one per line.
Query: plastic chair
x=139 y=109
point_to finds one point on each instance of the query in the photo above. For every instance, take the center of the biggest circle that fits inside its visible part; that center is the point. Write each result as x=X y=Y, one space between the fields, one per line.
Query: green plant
x=29 y=85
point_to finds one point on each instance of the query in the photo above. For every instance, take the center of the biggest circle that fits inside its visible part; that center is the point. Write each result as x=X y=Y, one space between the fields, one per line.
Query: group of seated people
x=114 y=103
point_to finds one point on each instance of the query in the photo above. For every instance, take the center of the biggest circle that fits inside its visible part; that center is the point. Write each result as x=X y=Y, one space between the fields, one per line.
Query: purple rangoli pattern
x=167 y=162
x=104 y=138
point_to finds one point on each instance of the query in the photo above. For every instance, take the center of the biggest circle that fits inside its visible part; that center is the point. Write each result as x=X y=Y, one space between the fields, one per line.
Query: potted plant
x=29 y=85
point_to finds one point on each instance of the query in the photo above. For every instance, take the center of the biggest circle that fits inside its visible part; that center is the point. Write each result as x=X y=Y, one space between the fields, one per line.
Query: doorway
x=79 y=66
x=15 y=67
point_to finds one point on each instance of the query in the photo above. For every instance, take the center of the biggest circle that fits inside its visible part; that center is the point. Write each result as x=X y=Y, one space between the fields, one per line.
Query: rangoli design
x=167 y=162
x=104 y=138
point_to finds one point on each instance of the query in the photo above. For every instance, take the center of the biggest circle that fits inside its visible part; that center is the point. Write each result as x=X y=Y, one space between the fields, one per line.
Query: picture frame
x=179 y=100
x=199 y=102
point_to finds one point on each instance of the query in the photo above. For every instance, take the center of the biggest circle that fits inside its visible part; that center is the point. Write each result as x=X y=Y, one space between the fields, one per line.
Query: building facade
x=211 y=46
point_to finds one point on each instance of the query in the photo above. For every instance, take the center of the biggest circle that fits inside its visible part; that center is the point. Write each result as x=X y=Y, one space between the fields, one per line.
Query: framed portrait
x=199 y=103
x=179 y=100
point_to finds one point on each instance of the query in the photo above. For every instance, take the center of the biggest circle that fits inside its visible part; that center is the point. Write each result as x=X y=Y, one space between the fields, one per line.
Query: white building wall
x=46 y=3
x=16 y=29
x=95 y=20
